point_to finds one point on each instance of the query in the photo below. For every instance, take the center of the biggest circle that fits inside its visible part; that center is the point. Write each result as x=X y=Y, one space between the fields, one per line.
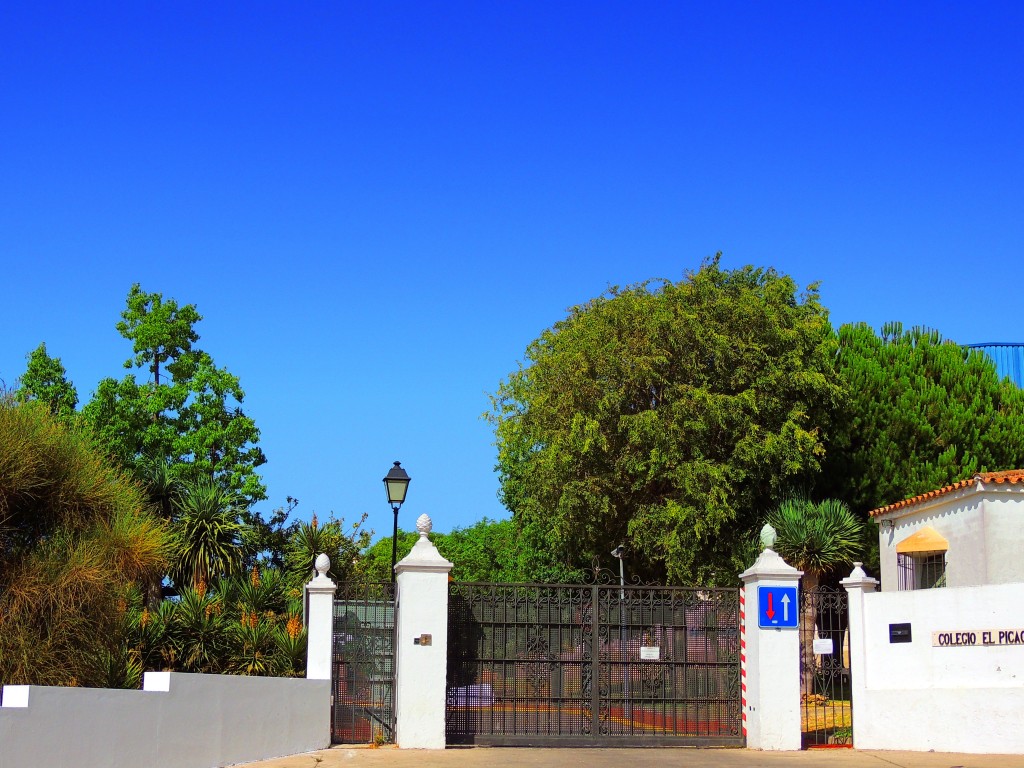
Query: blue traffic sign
x=777 y=607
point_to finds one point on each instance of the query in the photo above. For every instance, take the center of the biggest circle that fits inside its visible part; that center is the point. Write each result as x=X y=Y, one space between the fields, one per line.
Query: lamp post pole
x=620 y=552
x=394 y=544
x=396 y=483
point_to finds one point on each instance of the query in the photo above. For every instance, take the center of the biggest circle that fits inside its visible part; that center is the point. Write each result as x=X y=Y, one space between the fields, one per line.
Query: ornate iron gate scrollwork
x=593 y=664
x=363 y=665
x=825 y=691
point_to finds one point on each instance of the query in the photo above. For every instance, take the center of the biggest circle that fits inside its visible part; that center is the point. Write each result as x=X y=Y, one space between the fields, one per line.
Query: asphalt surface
x=484 y=757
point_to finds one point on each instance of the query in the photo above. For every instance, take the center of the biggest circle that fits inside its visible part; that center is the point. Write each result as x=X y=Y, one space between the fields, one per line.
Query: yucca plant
x=817 y=538
x=209 y=534
x=312 y=538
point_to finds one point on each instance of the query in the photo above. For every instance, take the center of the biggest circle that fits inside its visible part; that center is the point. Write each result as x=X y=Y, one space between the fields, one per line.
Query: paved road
x=483 y=757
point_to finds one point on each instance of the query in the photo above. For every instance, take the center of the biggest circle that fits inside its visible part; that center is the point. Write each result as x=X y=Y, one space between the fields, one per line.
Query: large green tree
x=46 y=380
x=920 y=413
x=184 y=410
x=669 y=416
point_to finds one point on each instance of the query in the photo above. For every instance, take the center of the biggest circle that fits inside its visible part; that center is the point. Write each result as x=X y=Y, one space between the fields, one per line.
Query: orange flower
x=255 y=578
x=294 y=627
x=201 y=588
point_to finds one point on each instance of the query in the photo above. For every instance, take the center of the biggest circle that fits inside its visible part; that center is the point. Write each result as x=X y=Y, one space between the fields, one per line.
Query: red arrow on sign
x=769 y=611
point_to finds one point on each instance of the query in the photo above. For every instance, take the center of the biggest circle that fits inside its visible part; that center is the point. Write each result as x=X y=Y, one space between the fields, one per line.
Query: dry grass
x=825 y=717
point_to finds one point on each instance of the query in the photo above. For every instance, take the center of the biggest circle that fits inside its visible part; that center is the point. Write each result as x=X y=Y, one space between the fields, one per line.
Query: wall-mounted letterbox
x=899 y=633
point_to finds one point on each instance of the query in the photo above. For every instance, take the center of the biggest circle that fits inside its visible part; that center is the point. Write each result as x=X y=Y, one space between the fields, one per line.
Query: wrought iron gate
x=826 y=715
x=593 y=665
x=363 y=668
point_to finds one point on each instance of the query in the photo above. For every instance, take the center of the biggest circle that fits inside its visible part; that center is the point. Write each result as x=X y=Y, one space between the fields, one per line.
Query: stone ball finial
x=322 y=564
x=768 y=536
x=424 y=525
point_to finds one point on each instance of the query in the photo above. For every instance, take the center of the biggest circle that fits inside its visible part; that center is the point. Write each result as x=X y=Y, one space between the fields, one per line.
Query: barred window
x=921 y=570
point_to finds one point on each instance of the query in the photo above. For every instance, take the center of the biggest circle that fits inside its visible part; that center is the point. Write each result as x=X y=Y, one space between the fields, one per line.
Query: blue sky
x=377 y=206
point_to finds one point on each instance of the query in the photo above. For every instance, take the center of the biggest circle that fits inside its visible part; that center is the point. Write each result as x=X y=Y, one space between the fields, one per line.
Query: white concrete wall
x=1003 y=516
x=176 y=721
x=949 y=699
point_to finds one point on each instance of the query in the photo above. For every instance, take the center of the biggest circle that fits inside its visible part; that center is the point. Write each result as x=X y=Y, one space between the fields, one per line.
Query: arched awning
x=925 y=540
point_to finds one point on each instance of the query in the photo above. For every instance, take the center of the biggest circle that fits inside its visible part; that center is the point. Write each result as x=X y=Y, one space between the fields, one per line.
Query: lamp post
x=396 y=482
x=620 y=553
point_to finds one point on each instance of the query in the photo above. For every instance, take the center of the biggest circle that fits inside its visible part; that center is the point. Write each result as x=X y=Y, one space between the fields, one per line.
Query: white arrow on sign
x=785 y=607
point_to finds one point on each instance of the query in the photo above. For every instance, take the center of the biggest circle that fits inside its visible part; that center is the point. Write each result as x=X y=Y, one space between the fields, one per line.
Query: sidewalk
x=484 y=757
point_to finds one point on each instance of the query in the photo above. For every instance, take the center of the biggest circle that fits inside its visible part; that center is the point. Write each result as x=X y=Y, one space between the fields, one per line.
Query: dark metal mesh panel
x=592 y=664
x=825 y=691
x=363 y=669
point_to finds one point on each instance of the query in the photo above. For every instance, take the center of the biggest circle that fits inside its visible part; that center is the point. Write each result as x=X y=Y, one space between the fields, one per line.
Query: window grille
x=921 y=570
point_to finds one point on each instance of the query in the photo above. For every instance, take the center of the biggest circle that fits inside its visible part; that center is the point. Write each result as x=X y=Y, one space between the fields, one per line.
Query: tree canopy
x=920 y=413
x=488 y=550
x=668 y=416
x=186 y=412
x=45 y=380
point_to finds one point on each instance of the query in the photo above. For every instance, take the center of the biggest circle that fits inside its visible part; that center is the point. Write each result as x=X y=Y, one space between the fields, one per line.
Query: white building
x=969 y=533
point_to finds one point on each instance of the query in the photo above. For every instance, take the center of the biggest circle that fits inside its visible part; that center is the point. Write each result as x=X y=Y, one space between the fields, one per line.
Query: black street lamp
x=396 y=481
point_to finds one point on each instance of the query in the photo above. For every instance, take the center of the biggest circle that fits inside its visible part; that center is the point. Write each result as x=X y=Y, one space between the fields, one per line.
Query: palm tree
x=817 y=538
x=209 y=534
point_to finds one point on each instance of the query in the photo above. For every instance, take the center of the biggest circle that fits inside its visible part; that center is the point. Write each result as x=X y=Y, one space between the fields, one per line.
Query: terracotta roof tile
x=1012 y=476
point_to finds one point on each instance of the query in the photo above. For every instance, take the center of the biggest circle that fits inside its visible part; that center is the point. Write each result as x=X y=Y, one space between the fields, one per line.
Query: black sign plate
x=899 y=633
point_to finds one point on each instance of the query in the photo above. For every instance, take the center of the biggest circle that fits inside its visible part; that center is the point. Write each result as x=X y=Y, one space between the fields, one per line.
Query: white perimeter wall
x=176 y=721
x=918 y=697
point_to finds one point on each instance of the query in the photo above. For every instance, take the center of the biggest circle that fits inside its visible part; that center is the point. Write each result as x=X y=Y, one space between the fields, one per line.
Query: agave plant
x=261 y=591
x=253 y=650
x=290 y=638
x=198 y=635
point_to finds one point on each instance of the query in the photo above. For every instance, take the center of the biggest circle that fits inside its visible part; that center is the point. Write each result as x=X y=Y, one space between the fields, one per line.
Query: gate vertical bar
x=595 y=663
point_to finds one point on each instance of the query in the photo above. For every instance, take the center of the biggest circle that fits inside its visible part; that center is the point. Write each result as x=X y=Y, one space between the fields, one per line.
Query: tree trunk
x=154 y=592
x=808 y=619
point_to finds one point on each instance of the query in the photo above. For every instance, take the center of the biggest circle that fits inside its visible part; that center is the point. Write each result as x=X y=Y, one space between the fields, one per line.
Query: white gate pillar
x=858 y=584
x=421 y=644
x=772 y=654
x=320 y=621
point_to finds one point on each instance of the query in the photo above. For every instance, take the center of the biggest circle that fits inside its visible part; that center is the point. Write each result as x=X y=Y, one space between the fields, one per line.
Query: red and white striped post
x=743 y=658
